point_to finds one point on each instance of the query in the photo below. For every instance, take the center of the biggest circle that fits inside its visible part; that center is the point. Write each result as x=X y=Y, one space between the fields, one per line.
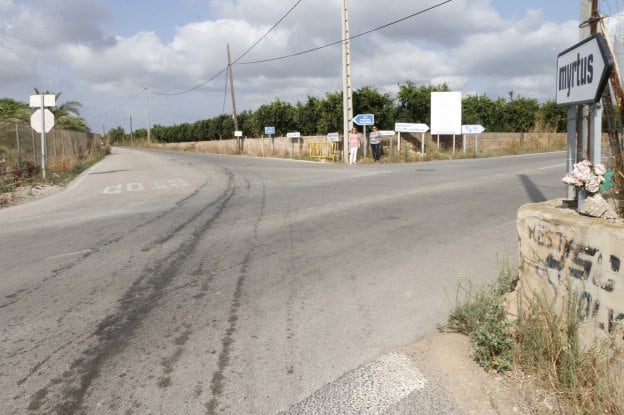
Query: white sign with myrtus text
x=583 y=71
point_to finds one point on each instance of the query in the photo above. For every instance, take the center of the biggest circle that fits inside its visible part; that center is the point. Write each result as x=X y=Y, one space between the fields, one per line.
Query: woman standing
x=375 y=142
x=354 y=144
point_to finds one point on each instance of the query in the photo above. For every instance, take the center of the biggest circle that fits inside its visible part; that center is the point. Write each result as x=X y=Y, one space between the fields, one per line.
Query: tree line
x=319 y=116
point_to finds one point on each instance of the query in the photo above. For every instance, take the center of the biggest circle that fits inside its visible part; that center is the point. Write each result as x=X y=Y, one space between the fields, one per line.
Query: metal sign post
x=475 y=129
x=364 y=120
x=405 y=127
x=582 y=74
x=42 y=121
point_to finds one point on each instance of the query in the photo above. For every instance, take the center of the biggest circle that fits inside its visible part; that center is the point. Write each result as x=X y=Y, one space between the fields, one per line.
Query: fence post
x=34 y=147
x=19 y=154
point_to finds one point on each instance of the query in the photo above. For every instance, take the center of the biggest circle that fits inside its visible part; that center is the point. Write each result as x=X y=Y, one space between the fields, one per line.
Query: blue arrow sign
x=364 y=119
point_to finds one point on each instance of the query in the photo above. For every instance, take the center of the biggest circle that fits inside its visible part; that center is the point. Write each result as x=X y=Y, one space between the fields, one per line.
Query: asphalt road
x=178 y=283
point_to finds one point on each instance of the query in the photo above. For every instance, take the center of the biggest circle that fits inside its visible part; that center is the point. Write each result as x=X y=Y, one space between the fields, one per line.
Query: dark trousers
x=376 y=148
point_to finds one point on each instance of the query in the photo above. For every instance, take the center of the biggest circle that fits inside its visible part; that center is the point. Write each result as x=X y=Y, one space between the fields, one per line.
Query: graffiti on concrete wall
x=597 y=273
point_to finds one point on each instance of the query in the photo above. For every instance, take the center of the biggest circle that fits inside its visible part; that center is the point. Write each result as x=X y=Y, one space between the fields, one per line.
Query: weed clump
x=543 y=342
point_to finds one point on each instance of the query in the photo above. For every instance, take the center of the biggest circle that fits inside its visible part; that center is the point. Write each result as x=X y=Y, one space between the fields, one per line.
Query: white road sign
x=335 y=137
x=583 y=71
x=405 y=127
x=37 y=123
x=295 y=134
x=472 y=129
x=49 y=100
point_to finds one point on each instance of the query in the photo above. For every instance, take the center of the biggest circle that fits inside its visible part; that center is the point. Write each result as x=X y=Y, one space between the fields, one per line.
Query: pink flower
x=599 y=169
x=583 y=168
x=593 y=184
x=569 y=179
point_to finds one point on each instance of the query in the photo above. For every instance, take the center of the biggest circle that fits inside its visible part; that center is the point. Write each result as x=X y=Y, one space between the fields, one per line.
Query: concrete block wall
x=556 y=245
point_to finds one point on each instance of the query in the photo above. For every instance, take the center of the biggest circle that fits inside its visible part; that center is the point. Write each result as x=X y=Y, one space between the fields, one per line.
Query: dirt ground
x=24 y=194
x=448 y=358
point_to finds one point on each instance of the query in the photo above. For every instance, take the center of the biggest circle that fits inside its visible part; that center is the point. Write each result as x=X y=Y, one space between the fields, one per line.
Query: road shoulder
x=447 y=358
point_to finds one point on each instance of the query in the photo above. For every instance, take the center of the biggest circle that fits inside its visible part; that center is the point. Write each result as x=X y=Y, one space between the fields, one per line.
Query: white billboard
x=446 y=113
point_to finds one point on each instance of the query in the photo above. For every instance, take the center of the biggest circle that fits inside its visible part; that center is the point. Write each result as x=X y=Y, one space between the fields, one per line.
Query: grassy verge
x=542 y=342
x=65 y=170
x=60 y=172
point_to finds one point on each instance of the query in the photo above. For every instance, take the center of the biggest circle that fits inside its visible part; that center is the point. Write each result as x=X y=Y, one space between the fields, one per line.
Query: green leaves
x=608 y=181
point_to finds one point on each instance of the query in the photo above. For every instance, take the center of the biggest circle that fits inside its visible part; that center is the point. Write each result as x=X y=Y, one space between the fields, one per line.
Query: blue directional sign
x=269 y=130
x=364 y=119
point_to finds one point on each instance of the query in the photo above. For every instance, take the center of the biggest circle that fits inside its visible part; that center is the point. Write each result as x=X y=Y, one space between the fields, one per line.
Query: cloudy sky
x=105 y=53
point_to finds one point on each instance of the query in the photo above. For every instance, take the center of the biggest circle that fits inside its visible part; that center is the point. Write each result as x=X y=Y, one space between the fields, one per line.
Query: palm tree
x=67 y=115
x=14 y=111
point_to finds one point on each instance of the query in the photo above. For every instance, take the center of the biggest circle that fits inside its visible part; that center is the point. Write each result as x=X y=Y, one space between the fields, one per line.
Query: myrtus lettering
x=576 y=73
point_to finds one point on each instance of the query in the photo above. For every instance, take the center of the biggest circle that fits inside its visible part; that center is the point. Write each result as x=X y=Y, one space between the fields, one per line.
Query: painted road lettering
x=139 y=186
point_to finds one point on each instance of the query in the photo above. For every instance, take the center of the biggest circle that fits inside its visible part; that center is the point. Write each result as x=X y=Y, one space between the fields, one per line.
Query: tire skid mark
x=57 y=271
x=113 y=333
x=169 y=362
x=217 y=383
x=99 y=246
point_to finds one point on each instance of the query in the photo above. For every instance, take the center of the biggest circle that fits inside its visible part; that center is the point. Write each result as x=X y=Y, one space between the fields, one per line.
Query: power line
x=186 y=91
x=237 y=59
x=338 y=42
x=267 y=33
x=132 y=98
x=277 y=58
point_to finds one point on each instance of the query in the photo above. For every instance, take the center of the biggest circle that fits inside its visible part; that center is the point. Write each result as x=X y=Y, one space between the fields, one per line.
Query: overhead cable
x=237 y=59
x=338 y=42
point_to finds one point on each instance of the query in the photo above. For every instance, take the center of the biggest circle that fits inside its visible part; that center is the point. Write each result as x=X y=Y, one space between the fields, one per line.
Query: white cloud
x=465 y=43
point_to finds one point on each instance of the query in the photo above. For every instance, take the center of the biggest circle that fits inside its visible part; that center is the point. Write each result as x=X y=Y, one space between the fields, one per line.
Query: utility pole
x=231 y=76
x=347 y=96
x=149 y=135
x=131 y=138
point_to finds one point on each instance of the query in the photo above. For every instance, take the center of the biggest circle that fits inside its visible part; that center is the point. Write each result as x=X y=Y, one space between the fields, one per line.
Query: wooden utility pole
x=149 y=134
x=231 y=77
x=347 y=97
x=613 y=96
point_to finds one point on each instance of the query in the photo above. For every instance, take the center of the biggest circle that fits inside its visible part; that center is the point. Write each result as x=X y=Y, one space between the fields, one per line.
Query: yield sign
x=38 y=124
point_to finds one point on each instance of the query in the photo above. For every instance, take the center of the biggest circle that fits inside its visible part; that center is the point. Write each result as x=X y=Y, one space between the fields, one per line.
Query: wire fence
x=20 y=151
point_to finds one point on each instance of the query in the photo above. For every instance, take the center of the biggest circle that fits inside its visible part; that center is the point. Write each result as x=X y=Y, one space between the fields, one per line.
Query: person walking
x=375 y=142
x=354 y=144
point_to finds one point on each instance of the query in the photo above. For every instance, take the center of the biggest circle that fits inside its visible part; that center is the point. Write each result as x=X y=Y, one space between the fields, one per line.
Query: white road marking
x=552 y=167
x=139 y=186
x=70 y=254
x=369 y=389
x=134 y=187
x=112 y=189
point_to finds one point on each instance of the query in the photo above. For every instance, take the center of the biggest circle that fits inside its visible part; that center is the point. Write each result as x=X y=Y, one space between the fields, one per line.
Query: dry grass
x=541 y=346
x=585 y=379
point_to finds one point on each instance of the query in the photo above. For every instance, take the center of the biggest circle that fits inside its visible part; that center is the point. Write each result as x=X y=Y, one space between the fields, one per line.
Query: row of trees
x=318 y=116
x=66 y=115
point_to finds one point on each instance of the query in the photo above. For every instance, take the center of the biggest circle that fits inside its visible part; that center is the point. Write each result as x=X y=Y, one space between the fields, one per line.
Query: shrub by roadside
x=540 y=343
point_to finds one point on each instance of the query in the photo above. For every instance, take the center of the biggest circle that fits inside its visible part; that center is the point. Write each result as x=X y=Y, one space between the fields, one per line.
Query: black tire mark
x=76 y=262
x=217 y=383
x=114 y=332
x=104 y=244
